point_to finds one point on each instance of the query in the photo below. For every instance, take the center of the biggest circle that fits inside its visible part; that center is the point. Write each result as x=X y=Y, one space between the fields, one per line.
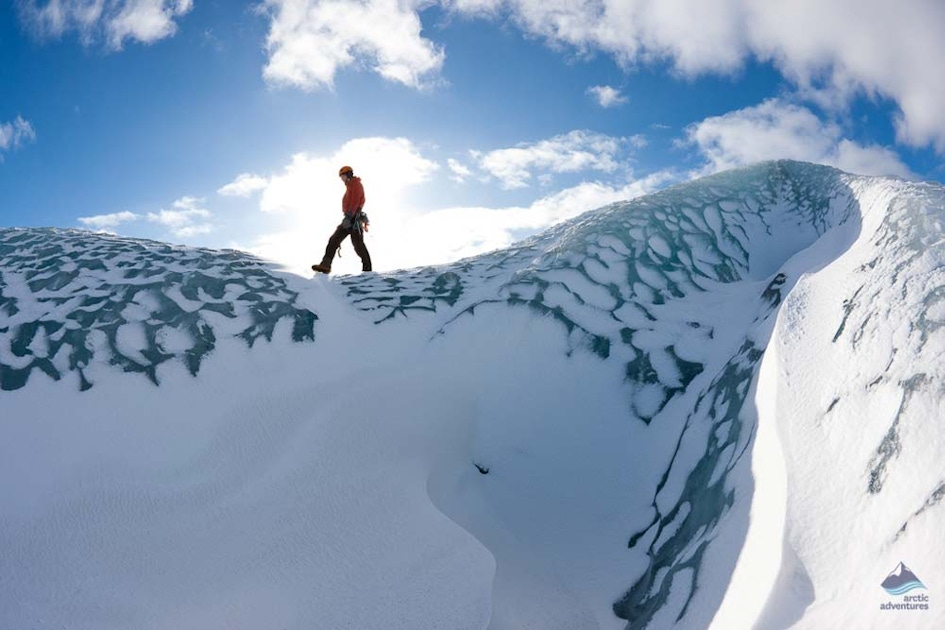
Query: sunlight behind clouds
x=304 y=200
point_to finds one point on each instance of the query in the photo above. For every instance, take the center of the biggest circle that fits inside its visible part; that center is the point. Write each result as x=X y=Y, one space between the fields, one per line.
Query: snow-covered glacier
x=718 y=405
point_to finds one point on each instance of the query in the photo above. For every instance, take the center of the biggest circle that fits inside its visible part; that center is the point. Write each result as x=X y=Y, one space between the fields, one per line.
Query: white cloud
x=571 y=202
x=569 y=153
x=190 y=231
x=869 y=160
x=697 y=35
x=107 y=222
x=607 y=96
x=186 y=220
x=460 y=171
x=14 y=134
x=483 y=8
x=144 y=21
x=244 y=185
x=60 y=16
x=893 y=49
x=310 y=40
x=775 y=130
x=830 y=49
x=565 y=204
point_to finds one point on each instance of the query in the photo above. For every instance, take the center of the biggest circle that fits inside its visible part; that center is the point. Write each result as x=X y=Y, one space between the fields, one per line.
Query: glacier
x=714 y=406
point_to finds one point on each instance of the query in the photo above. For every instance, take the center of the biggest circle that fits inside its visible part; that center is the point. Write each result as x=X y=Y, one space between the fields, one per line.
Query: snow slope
x=716 y=405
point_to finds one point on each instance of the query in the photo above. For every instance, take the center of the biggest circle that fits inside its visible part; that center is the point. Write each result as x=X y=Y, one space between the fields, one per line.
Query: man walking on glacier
x=355 y=223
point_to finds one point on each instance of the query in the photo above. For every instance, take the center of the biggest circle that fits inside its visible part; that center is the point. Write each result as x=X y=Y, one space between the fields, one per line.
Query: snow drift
x=715 y=405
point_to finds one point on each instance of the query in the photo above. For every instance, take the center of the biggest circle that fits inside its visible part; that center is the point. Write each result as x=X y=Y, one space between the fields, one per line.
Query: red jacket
x=353 y=200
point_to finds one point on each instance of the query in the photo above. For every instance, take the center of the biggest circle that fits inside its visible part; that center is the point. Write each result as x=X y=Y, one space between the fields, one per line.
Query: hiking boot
x=321 y=268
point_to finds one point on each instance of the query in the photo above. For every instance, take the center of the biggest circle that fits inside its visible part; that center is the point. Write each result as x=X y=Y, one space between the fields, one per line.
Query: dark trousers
x=357 y=239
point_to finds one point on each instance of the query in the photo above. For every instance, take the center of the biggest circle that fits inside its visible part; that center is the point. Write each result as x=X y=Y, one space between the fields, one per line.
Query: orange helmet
x=346 y=170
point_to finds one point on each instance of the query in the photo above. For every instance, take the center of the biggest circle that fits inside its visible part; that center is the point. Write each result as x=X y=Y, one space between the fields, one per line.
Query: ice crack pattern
x=68 y=298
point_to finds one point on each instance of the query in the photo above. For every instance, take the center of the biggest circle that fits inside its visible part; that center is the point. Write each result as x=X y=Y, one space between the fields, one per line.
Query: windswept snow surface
x=717 y=405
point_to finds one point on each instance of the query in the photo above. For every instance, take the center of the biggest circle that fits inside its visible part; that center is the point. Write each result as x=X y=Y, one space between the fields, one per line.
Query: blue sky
x=472 y=122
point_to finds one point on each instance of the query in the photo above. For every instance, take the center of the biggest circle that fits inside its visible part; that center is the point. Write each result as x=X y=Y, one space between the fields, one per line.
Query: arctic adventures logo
x=902 y=583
